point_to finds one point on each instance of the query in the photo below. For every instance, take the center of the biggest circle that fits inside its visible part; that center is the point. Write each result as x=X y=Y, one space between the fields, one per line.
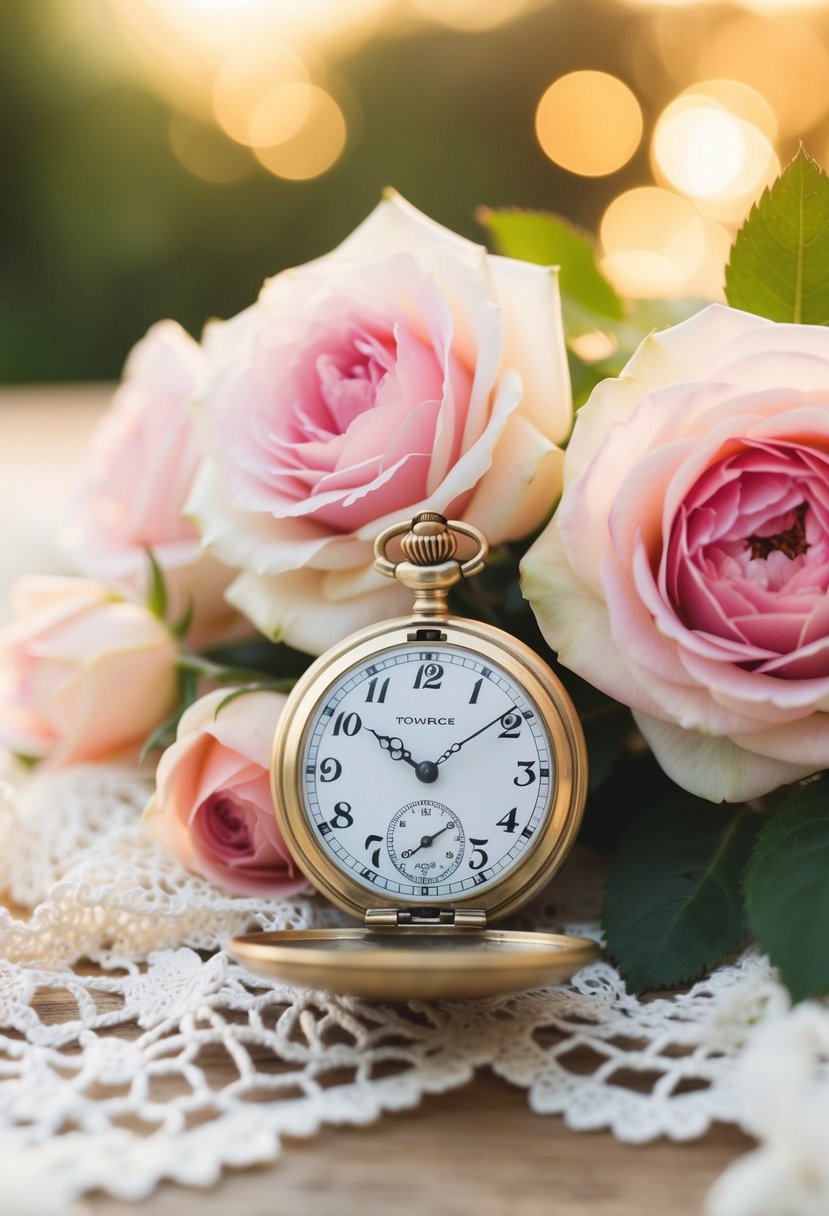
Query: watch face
x=427 y=773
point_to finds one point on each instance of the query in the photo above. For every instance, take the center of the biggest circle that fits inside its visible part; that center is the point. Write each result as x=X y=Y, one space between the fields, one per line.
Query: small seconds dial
x=426 y=773
x=425 y=841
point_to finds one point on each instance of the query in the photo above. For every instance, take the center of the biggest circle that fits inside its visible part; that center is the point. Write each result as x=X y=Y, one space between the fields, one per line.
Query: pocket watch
x=429 y=775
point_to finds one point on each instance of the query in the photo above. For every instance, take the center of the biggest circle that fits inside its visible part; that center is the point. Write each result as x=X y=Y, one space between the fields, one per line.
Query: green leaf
x=157 y=589
x=787 y=890
x=779 y=266
x=549 y=240
x=180 y=627
x=674 y=905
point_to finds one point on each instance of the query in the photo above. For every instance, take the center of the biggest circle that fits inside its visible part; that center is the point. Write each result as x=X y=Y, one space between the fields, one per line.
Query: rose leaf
x=787 y=890
x=779 y=264
x=673 y=906
x=549 y=240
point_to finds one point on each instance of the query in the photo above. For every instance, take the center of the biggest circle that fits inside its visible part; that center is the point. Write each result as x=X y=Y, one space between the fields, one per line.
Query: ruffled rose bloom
x=686 y=572
x=407 y=370
x=213 y=808
x=143 y=458
x=83 y=674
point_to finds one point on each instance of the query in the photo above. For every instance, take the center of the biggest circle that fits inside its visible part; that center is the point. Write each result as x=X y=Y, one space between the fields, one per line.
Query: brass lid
x=398 y=964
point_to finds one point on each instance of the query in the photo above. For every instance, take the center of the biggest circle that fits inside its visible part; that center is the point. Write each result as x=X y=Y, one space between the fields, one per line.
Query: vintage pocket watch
x=429 y=775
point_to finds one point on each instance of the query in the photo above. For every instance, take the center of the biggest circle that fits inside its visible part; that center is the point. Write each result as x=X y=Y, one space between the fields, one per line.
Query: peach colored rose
x=212 y=807
x=143 y=458
x=83 y=674
x=406 y=370
x=686 y=572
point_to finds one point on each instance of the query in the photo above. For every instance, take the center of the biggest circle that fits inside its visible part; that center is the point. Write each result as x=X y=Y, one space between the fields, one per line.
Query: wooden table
x=478 y=1151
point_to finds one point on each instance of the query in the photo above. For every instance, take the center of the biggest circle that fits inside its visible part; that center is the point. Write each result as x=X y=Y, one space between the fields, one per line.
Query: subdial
x=425 y=841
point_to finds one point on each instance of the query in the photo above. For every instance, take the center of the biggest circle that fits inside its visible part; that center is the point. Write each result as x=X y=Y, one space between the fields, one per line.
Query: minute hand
x=456 y=747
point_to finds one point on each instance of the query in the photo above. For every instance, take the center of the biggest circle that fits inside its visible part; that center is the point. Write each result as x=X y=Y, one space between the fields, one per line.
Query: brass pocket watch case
x=429 y=775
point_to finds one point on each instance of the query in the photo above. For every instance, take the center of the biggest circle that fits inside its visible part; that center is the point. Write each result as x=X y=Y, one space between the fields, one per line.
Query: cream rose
x=142 y=460
x=686 y=572
x=407 y=370
x=212 y=807
x=83 y=674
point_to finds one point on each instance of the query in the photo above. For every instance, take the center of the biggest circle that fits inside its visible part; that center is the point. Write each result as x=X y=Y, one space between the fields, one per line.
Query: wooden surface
x=478 y=1151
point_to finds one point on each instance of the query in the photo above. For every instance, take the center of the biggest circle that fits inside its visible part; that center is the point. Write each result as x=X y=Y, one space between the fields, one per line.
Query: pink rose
x=686 y=571
x=407 y=370
x=83 y=674
x=212 y=807
x=143 y=458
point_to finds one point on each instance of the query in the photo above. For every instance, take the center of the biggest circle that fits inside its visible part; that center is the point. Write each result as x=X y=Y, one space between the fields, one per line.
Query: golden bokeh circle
x=589 y=123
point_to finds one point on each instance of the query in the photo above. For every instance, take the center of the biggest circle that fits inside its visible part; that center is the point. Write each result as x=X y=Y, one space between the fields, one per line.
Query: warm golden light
x=589 y=122
x=708 y=280
x=784 y=60
x=739 y=99
x=594 y=346
x=709 y=153
x=470 y=14
x=315 y=146
x=206 y=152
x=247 y=89
x=654 y=242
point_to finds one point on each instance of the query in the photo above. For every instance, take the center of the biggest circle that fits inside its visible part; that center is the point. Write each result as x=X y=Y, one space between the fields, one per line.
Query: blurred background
x=161 y=157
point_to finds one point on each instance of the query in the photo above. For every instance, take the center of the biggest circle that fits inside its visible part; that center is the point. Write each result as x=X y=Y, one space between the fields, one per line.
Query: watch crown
x=429 y=541
x=428 y=544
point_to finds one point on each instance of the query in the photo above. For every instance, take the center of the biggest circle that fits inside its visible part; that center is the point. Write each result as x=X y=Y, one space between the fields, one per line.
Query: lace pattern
x=225 y=1063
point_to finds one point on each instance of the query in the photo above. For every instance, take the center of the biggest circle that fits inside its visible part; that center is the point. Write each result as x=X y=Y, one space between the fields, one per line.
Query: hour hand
x=425 y=770
x=394 y=746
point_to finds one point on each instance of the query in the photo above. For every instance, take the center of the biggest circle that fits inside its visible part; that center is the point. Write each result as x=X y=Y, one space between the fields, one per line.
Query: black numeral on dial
x=479 y=856
x=528 y=773
x=508 y=821
x=347 y=724
x=342 y=815
x=375 y=856
x=377 y=690
x=330 y=769
x=429 y=675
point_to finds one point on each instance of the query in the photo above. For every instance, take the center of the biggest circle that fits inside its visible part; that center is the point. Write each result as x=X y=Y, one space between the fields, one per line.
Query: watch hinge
x=425 y=918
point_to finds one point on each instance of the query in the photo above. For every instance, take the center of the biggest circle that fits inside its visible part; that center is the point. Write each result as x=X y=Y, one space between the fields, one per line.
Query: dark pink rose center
x=224 y=826
x=747 y=562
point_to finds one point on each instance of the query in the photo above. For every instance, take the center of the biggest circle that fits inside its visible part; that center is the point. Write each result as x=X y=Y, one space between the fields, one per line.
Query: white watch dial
x=427 y=772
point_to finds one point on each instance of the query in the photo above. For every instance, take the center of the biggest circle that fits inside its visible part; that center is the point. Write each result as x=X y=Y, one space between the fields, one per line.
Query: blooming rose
x=143 y=458
x=407 y=370
x=687 y=568
x=212 y=806
x=83 y=674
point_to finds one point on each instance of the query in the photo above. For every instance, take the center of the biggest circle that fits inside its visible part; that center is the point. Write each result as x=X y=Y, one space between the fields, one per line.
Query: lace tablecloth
x=82 y=1105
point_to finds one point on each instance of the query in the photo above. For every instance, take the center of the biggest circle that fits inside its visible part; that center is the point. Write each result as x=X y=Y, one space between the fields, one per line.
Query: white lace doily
x=134 y=1110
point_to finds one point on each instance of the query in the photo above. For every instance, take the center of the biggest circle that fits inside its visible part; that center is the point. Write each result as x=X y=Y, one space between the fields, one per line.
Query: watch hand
x=425 y=770
x=456 y=747
x=394 y=746
x=426 y=840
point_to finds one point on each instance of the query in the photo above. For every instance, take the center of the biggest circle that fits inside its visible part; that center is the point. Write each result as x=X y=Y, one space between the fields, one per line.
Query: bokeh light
x=783 y=59
x=589 y=122
x=470 y=14
x=314 y=145
x=653 y=242
x=713 y=155
x=249 y=86
x=206 y=152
